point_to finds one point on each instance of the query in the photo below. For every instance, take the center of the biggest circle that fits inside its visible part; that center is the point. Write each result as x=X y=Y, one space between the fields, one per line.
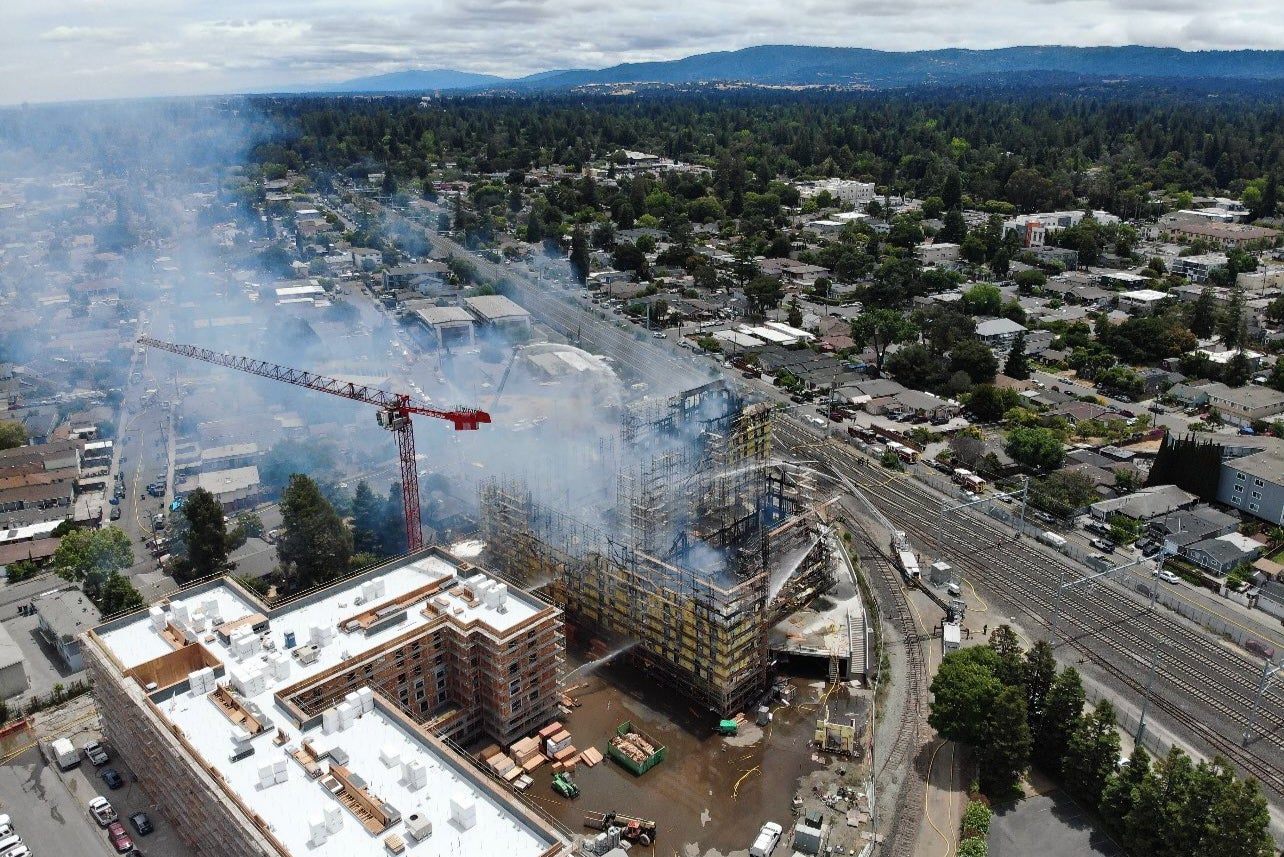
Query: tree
x=203 y=534
x=1003 y=753
x=1120 y=792
x=1238 y=370
x=367 y=515
x=953 y=228
x=249 y=524
x=1010 y=665
x=1092 y=754
x=976 y=359
x=1062 y=711
x=392 y=530
x=1029 y=280
x=92 y=556
x=534 y=226
x=952 y=191
x=879 y=328
x=795 y=315
x=12 y=434
x=1231 y=326
x=630 y=257
x=317 y=545
x=1039 y=448
x=763 y=293
x=118 y=595
x=983 y=299
x=579 y=255
x=990 y=403
x=1039 y=673
x=918 y=368
x=1017 y=365
x=963 y=692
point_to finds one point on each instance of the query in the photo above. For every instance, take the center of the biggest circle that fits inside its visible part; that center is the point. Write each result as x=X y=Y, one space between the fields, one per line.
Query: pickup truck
x=101 y=809
x=95 y=753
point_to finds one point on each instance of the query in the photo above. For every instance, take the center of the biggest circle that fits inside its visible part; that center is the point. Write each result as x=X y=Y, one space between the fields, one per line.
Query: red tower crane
x=394 y=413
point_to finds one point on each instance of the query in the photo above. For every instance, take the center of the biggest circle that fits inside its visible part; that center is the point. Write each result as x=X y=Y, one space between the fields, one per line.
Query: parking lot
x=49 y=807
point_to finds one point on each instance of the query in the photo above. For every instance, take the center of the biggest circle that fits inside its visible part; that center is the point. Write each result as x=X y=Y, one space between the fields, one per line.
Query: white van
x=10 y=843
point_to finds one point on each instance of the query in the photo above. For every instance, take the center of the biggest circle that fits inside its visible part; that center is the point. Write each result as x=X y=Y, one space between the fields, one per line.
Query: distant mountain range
x=792 y=65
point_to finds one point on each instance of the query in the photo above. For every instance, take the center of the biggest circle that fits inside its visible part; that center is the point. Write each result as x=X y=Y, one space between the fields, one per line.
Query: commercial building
x=450 y=326
x=1032 y=230
x=498 y=313
x=324 y=726
x=842 y=191
x=238 y=488
x=1246 y=404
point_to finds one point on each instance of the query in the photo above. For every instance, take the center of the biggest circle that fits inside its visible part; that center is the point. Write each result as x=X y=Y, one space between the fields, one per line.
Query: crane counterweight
x=395 y=410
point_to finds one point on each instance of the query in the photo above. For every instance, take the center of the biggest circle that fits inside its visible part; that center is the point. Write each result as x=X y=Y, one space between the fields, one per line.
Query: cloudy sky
x=54 y=50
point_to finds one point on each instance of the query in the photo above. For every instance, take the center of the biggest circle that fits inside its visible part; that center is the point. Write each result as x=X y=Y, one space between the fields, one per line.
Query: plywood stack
x=590 y=757
x=526 y=753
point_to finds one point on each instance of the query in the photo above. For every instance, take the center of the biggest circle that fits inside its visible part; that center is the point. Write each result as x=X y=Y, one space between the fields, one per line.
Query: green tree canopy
x=983 y=299
x=12 y=434
x=317 y=545
x=1092 y=754
x=1003 y=753
x=1063 y=708
x=976 y=359
x=880 y=328
x=1039 y=448
x=92 y=556
x=202 y=534
x=1017 y=365
x=990 y=403
x=964 y=690
x=118 y=595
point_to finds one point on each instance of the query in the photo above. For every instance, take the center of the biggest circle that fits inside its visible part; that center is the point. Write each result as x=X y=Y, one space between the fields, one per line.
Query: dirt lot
x=711 y=793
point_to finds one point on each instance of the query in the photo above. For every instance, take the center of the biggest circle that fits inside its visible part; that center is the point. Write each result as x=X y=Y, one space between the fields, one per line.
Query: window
x=1259 y=483
x=1239 y=489
x=1252 y=507
x=1257 y=495
x=1239 y=476
x=1235 y=500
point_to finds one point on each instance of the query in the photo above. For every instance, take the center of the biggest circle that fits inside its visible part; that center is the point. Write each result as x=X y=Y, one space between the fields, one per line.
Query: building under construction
x=705 y=545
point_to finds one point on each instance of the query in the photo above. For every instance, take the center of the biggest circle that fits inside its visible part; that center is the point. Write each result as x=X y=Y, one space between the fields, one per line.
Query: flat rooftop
x=378 y=745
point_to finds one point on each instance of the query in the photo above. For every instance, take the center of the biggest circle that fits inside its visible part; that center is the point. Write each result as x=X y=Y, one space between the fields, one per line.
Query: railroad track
x=902 y=835
x=1100 y=623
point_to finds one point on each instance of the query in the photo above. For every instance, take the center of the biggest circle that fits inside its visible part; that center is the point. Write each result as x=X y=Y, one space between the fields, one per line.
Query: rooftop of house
x=396 y=764
x=1145 y=504
x=67 y=614
x=998 y=327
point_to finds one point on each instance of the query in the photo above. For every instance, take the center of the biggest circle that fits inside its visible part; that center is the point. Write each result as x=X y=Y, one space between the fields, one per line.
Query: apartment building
x=324 y=726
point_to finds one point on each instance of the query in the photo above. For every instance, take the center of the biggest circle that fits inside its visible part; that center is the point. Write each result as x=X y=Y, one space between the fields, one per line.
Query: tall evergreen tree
x=317 y=544
x=367 y=517
x=204 y=534
x=1203 y=314
x=534 y=227
x=1010 y=669
x=1040 y=672
x=1092 y=754
x=579 y=254
x=1120 y=793
x=1003 y=753
x=952 y=191
x=1232 y=327
x=392 y=530
x=1063 y=708
x=1018 y=364
x=953 y=227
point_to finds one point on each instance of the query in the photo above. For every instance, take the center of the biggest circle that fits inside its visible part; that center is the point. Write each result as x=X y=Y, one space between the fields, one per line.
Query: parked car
x=119 y=838
x=1151 y=549
x=1104 y=545
x=1167 y=576
x=141 y=823
x=115 y=513
x=1259 y=648
x=112 y=778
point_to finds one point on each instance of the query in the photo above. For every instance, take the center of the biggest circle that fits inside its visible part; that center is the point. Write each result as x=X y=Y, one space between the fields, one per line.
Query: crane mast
x=395 y=410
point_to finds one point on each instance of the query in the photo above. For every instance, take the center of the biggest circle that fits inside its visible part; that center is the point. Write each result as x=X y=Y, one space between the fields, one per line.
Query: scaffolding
x=682 y=565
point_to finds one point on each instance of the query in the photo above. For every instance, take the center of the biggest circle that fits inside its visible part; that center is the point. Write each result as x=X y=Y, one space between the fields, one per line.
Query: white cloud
x=96 y=48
